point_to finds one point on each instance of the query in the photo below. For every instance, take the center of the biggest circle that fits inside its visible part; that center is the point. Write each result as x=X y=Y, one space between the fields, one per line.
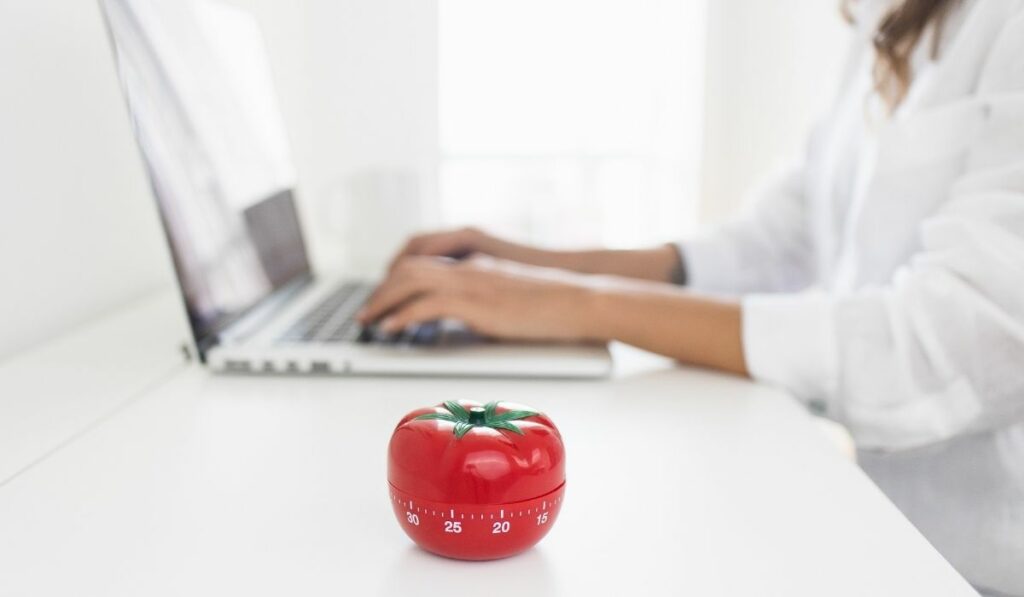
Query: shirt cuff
x=789 y=340
x=710 y=263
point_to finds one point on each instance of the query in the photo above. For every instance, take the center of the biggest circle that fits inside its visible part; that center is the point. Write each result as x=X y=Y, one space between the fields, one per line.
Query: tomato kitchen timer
x=476 y=482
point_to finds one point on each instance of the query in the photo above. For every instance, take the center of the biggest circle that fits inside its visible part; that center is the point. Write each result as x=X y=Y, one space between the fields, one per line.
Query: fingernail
x=388 y=325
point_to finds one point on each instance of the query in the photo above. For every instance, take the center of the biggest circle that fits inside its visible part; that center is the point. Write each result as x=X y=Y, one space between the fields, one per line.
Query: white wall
x=78 y=230
x=770 y=73
x=358 y=86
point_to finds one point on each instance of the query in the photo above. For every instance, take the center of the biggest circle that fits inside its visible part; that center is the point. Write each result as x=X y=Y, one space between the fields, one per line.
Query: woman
x=880 y=280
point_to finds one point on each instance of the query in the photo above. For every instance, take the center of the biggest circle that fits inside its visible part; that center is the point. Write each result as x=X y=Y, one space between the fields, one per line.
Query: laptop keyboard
x=333 y=320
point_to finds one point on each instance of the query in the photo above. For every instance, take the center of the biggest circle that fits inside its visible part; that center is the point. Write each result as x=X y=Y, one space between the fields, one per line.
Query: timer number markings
x=528 y=511
x=454 y=527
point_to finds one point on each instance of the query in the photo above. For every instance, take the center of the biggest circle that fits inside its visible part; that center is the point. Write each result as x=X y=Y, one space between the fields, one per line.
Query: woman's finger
x=391 y=294
x=412 y=278
x=429 y=307
x=410 y=248
x=453 y=243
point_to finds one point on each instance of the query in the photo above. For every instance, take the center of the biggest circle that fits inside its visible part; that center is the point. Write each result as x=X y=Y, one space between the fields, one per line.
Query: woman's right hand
x=457 y=244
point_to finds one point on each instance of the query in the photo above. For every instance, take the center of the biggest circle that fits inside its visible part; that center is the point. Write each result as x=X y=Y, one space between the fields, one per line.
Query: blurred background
x=558 y=122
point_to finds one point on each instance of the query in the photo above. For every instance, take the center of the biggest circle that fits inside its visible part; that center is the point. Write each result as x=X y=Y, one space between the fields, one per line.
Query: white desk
x=679 y=482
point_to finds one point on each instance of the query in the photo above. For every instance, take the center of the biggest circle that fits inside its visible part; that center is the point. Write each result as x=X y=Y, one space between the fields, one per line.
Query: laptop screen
x=198 y=85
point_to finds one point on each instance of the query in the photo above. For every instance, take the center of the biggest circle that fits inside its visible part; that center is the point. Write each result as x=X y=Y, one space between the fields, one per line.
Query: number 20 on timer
x=476 y=481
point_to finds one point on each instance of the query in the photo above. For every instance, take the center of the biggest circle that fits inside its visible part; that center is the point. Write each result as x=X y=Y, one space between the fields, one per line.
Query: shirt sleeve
x=769 y=247
x=939 y=350
x=766 y=249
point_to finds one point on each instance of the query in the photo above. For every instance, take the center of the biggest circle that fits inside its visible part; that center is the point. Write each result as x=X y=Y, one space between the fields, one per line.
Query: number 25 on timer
x=450 y=526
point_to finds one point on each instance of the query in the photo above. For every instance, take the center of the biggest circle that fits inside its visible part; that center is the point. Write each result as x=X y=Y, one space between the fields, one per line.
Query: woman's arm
x=694 y=329
x=505 y=299
x=660 y=264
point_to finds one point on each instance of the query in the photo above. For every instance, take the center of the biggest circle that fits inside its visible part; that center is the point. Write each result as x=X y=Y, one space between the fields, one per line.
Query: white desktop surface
x=680 y=482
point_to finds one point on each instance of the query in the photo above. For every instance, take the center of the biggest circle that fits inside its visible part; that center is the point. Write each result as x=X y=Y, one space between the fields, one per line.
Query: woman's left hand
x=495 y=298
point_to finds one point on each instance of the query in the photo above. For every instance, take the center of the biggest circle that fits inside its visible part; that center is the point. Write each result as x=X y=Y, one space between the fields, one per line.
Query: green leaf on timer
x=462 y=429
x=506 y=426
x=514 y=415
x=457 y=409
x=489 y=417
x=438 y=416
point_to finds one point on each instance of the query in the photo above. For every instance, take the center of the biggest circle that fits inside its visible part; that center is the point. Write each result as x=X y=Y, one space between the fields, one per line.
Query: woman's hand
x=495 y=298
x=458 y=244
x=504 y=299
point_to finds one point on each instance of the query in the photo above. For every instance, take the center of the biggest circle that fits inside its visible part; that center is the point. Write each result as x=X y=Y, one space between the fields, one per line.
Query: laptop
x=197 y=82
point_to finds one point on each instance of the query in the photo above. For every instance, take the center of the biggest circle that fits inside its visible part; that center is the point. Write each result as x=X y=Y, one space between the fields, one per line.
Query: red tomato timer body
x=476 y=482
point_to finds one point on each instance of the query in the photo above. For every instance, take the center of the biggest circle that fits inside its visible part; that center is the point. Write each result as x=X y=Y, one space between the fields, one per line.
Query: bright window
x=568 y=122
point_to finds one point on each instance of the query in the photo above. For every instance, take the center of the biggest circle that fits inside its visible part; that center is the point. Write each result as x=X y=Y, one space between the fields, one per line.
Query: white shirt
x=883 y=283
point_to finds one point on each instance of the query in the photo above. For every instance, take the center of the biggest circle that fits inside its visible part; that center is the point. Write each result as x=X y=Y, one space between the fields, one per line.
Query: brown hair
x=899 y=32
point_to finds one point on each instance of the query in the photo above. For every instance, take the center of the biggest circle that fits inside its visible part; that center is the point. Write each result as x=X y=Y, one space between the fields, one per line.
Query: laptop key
x=426 y=334
x=398 y=337
x=366 y=334
x=339 y=333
